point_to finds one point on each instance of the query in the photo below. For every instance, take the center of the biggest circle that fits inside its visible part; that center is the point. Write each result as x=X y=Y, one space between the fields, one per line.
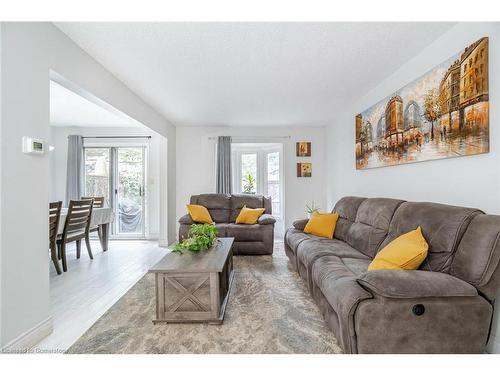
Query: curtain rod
x=125 y=136
x=256 y=136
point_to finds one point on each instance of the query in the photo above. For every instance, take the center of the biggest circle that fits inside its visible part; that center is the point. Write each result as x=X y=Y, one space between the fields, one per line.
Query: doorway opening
x=257 y=168
x=123 y=161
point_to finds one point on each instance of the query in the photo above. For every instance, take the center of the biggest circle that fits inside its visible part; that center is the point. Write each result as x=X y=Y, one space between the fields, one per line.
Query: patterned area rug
x=270 y=311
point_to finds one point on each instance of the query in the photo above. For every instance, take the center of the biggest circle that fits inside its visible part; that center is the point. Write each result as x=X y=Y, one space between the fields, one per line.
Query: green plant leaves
x=200 y=237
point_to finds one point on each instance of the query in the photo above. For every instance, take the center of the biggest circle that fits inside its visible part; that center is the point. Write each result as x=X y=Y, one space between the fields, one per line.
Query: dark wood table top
x=211 y=260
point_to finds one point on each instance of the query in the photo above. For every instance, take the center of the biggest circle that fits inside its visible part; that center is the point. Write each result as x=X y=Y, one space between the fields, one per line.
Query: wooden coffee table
x=194 y=287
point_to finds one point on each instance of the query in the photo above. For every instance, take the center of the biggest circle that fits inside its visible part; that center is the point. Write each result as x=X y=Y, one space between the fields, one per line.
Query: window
x=257 y=170
x=273 y=180
x=248 y=164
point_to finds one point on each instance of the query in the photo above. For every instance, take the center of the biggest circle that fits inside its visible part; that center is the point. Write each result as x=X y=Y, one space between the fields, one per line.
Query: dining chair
x=76 y=228
x=98 y=203
x=54 y=216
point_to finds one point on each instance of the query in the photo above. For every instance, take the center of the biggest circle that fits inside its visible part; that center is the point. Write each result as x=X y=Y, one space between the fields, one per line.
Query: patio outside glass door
x=129 y=191
x=118 y=175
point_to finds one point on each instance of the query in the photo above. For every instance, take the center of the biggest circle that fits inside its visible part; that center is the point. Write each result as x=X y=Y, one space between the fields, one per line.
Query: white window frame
x=261 y=150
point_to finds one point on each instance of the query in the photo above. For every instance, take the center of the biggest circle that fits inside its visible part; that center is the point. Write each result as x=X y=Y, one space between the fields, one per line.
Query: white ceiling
x=243 y=74
x=70 y=109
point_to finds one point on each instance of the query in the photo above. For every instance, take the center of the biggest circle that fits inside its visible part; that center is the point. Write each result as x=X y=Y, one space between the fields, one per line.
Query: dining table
x=101 y=217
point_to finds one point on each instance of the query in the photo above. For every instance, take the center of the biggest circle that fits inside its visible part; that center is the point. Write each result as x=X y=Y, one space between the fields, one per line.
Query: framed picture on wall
x=304 y=169
x=442 y=114
x=303 y=148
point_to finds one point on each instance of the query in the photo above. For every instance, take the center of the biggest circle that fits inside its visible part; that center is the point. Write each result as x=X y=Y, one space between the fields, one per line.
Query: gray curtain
x=75 y=171
x=224 y=165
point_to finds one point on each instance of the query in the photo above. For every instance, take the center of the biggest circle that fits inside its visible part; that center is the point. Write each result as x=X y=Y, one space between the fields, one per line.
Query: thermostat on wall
x=33 y=146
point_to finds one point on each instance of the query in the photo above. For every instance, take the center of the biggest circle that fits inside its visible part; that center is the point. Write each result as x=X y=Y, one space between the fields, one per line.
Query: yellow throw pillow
x=322 y=225
x=407 y=252
x=199 y=214
x=249 y=215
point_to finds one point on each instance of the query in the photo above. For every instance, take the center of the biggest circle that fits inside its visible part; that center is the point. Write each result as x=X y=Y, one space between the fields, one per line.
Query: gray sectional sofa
x=256 y=239
x=445 y=306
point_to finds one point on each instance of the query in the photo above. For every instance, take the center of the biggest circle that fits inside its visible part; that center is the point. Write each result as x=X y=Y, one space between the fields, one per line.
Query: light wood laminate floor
x=90 y=287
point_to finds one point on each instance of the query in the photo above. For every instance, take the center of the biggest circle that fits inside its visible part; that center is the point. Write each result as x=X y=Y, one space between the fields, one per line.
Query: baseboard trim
x=153 y=236
x=494 y=345
x=28 y=339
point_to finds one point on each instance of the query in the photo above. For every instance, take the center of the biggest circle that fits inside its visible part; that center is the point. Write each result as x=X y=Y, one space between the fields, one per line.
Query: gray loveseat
x=256 y=239
x=444 y=307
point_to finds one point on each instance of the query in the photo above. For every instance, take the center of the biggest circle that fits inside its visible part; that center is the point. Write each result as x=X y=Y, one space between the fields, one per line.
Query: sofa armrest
x=300 y=224
x=266 y=219
x=415 y=284
x=186 y=219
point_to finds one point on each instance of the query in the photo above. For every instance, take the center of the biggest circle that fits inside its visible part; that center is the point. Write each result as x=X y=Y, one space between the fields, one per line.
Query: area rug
x=270 y=311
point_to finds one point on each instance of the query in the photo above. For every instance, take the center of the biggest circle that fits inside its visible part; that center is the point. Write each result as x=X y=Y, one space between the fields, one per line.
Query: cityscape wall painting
x=442 y=114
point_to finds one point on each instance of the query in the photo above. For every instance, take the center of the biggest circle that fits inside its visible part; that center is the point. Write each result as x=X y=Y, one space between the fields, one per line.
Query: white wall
x=29 y=52
x=58 y=169
x=466 y=181
x=1 y=142
x=196 y=163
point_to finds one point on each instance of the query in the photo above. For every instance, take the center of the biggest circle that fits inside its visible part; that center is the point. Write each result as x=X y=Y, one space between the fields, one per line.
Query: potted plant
x=311 y=208
x=249 y=184
x=201 y=237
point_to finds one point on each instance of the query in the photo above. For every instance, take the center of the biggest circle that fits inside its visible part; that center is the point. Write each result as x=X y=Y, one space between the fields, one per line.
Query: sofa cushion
x=245 y=232
x=322 y=225
x=478 y=254
x=406 y=252
x=219 y=205
x=310 y=250
x=347 y=209
x=372 y=222
x=293 y=237
x=337 y=279
x=199 y=214
x=442 y=226
x=239 y=200
x=266 y=219
x=249 y=215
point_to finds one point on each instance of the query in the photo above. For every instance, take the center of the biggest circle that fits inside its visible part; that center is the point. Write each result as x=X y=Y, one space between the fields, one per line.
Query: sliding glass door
x=129 y=191
x=97 y=172
x=118 y=175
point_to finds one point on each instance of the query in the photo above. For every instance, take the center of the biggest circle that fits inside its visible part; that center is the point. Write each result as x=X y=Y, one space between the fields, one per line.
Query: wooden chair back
x=54 y=216
x=78 y=218
x=98 y=201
